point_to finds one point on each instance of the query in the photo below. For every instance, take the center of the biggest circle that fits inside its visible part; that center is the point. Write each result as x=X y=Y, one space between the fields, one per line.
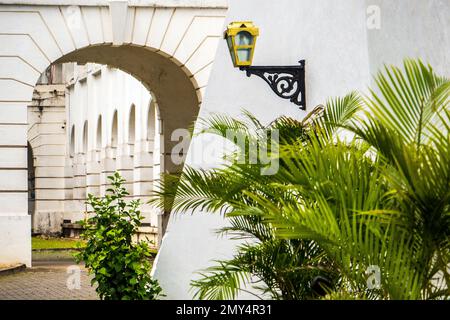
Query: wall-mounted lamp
x=288 y=82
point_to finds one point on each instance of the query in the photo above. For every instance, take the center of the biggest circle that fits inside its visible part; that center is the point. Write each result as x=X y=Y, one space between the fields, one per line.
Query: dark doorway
x=31 y=185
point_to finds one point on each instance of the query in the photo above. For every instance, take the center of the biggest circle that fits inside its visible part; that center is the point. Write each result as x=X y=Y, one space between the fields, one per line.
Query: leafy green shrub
x=121 y=267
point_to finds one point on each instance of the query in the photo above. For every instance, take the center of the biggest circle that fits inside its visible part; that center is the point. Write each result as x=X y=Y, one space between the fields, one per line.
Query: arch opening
x=98 y=138
x=72 y=142
x=85 y=139
x=132 y=125
x=97 y=142
x=117 y=143
x=115 y=131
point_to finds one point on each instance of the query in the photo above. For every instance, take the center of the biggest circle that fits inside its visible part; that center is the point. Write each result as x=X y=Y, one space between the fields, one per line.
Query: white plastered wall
x=341 y=54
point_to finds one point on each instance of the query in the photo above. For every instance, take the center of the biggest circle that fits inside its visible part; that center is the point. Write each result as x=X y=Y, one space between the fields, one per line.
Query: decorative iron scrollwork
x=288 y=82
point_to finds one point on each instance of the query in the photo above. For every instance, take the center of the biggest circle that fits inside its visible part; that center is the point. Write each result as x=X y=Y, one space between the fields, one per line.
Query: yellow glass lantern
x=241 y=38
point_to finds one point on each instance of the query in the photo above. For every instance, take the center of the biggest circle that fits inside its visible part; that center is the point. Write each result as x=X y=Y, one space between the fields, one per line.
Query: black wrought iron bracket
x=288 y=82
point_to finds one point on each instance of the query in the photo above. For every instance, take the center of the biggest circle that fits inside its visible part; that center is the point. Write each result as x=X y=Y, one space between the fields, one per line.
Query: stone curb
x=56 y=249
x=13 y=269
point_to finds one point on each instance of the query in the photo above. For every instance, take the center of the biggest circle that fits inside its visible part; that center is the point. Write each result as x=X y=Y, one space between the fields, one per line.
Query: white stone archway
x=169 y=45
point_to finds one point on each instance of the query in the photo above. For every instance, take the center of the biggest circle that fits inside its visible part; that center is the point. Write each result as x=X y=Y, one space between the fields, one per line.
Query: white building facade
x=175 y=49
x=114 y=125
x=91 y=122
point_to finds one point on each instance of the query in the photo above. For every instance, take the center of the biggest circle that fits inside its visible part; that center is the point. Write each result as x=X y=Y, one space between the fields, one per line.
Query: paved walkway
x=48 y=281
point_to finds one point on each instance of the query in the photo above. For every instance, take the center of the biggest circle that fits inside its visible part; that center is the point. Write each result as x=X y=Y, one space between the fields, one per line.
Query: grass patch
x=63 y=243
x=54 y=243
